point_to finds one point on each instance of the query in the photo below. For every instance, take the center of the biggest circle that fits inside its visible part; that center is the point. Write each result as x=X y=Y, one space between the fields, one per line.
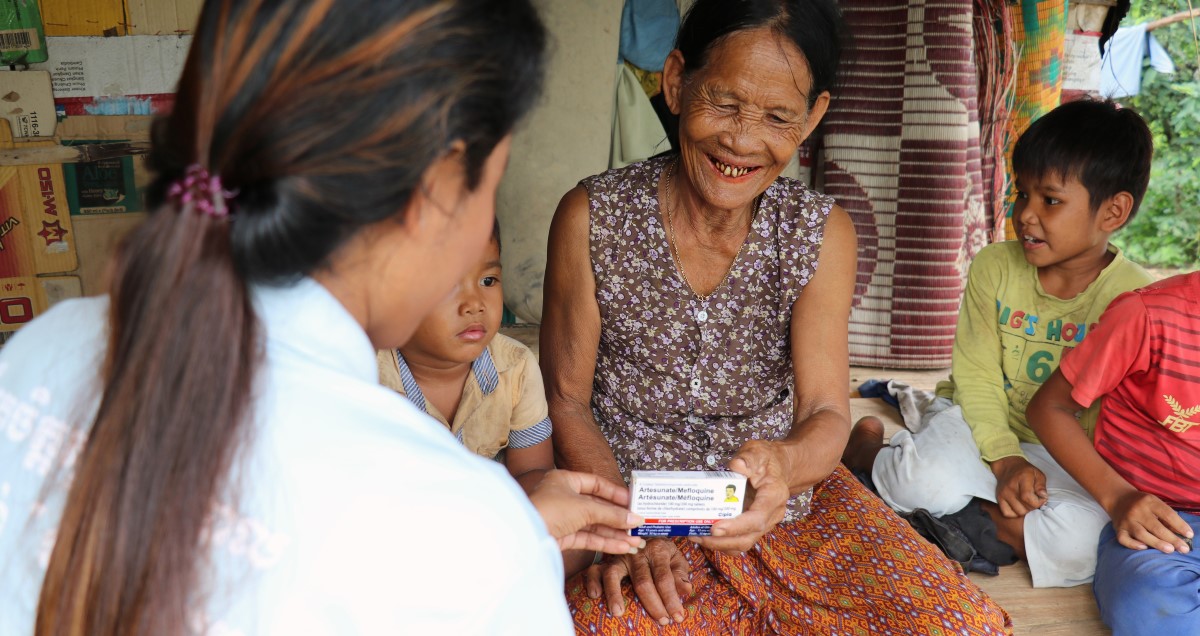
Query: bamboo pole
x=42 y=154
x=1172 y=19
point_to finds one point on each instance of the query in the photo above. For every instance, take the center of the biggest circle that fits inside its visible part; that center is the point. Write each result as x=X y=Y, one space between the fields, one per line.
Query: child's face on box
x=1054 y=220
x=465 y=322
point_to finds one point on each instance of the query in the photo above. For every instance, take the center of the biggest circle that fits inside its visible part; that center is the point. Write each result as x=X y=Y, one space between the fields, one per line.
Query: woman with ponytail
x=206 y=449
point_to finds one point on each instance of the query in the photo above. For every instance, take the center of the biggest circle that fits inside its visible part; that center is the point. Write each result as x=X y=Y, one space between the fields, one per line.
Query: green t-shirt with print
x=1011 y=336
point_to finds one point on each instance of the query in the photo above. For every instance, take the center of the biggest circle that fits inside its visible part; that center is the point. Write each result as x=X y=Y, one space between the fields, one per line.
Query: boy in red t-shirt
x=1144 y=360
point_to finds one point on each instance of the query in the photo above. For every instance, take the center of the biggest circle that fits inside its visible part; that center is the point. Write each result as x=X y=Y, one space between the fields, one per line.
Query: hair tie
x=202 y=191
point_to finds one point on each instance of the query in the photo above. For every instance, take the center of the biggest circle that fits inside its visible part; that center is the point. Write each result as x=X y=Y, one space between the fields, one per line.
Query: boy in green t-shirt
x=1082 y=170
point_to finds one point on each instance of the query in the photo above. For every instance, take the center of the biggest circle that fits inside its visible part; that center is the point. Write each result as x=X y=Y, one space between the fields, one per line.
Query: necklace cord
x=677 y=258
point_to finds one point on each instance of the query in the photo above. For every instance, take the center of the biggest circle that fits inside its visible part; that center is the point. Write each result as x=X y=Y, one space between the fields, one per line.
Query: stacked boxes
x=37 y=241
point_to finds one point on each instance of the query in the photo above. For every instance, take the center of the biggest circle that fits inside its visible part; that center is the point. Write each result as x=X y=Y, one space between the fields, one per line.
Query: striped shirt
x=1143 y=361
x=503 y=403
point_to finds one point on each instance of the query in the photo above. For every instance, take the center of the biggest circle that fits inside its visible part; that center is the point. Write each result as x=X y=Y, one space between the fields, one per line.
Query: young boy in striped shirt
x=1142 y=363
x=485 y=387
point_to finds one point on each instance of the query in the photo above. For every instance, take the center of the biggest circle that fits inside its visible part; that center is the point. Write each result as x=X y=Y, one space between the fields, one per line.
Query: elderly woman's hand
x=661 y=579
x=766 y=464
x=586 y=512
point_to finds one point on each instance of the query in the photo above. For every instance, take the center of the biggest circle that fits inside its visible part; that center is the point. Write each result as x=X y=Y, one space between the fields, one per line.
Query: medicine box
x=684 y=503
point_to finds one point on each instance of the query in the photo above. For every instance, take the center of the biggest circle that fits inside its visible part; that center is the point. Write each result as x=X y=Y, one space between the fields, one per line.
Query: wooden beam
x=37 y=155
x=1172 y=19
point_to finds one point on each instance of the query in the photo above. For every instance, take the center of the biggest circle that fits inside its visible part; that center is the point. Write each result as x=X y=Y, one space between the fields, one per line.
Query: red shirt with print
x=1143 y=360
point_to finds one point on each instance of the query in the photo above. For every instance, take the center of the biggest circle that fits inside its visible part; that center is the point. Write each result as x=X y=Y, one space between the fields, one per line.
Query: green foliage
x=1166 y=232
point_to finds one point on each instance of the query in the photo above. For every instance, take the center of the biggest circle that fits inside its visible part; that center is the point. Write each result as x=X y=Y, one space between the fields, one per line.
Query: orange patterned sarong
x=852 y=566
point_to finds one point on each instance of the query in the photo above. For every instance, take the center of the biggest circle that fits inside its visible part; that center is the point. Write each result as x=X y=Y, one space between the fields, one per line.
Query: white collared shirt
x=356 y=513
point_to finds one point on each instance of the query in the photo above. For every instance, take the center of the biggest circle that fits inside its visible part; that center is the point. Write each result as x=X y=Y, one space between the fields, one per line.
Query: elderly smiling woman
x=696 y=318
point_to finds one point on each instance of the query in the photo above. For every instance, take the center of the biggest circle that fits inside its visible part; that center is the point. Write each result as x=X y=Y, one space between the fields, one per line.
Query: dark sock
x=980 y=530
x=949 y=539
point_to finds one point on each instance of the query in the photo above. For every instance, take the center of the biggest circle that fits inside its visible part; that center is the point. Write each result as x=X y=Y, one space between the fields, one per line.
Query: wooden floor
x=1035 y=612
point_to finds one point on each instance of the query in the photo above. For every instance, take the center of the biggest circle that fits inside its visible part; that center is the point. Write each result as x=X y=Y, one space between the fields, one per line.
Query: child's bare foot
x=866 y=440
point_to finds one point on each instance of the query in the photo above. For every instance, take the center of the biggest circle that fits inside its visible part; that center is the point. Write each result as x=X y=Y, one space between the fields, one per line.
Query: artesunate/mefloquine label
x=684 y=503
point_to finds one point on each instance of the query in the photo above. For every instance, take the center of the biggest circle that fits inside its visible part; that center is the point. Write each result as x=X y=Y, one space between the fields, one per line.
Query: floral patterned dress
x=682 y=382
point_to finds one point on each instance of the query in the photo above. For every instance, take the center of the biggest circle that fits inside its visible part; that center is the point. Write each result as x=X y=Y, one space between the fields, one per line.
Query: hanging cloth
x=648 y=32
x=1121 y=66
x=637 y=133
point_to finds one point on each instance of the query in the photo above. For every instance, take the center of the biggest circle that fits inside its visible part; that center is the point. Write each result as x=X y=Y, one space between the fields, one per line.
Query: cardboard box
x=119 y=17
x=22 y=38
x=22 y=299
x=134 y=75
x=124 y=178
x=107 y=186
x=104 y=127
x=97 y=235
x=84 y=17
x=27 y=102
x=162 y=17
x=36 y=237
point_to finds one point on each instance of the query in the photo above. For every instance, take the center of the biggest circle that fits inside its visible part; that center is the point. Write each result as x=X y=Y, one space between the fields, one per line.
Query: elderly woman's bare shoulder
x=573 y=203
x=838 y=216
x=571 y=217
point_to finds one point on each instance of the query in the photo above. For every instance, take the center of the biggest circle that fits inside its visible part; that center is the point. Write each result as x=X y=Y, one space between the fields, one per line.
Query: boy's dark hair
x=496 y=235
x=1107 y=148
